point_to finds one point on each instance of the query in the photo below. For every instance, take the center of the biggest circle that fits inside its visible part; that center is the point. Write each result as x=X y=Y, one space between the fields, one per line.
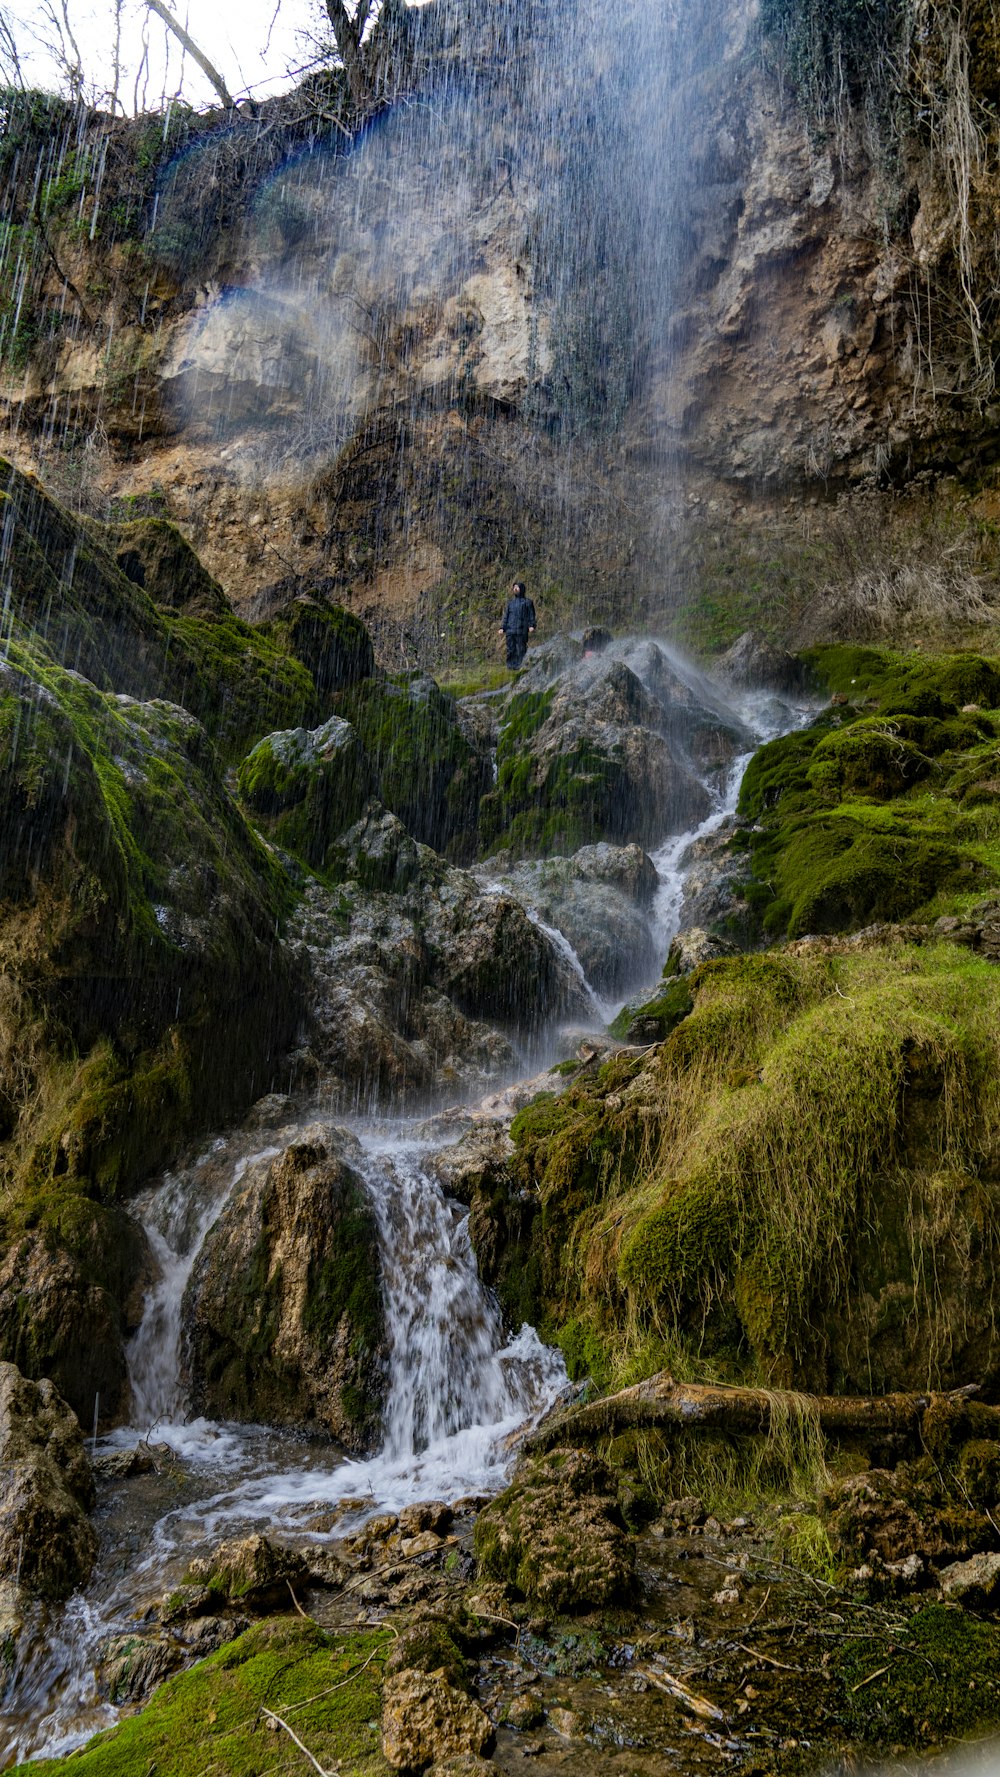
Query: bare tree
x=348 y=31
x=197 y=55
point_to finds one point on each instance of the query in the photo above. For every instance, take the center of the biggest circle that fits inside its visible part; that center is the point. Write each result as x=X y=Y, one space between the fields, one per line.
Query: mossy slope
x=131 y=607
x=138 y=922
x=214 y=1717
x=772 y=1191
x=885 y=807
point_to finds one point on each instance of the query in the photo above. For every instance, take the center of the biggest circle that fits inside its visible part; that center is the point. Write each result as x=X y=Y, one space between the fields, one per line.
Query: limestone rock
x=426 y=1720
x=407 y=984
x=251 y=1572
x=284 y=1307
x=306 y=787
x=66 y=1312
x=891 y=1515
x=600 y=900
x=756 y=664
x=693 y=947
x=557 y=1534
x=974 y=1583
x=475 y=1164
x=133 y=1665
x=47 y=1544
x=603 y=749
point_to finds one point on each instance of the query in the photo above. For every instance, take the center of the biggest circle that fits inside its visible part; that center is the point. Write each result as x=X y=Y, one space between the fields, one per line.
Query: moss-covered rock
x=304 y=789
x=557 y=1535
x=331 y=643
x=250 y=1572
x=284 y=1308
x=854 y=819
x=152 y=554
x=428 y=773
x=132 y=608
x=138 y=914
x=591 y=757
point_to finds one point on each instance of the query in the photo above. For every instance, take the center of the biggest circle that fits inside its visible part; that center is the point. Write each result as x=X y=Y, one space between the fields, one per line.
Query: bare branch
x=208 y=69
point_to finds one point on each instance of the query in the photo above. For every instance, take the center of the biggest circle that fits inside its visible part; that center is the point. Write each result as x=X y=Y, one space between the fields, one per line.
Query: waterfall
x=176 y=1216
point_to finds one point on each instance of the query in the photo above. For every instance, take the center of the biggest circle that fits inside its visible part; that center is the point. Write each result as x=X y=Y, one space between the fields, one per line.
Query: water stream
x=458 y=1384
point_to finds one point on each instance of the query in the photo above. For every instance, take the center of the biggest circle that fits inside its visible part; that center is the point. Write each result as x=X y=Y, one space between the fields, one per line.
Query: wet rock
x=974 y=1583
x=524 y=1713
x=755 y=664
x=284 y=1308
x=325 y=1568
x=557 y=1534
x=474 y=1166
x=426 y=1720
x=252 y=1572
x=132 y=1666
x=406 y=989
x=121 y=1465
x=428 y=773
x=331 y=643
x=600 y=900
x=567 y=1723
x=47 y=1544
x=596 y=755
x=429 y=1515
x=205 y=1634
x=66 y=1313
x=377 y=852
x=304 y=788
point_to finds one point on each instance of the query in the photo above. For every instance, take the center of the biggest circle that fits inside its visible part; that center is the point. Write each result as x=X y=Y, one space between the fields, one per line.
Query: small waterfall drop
x=177 y=1215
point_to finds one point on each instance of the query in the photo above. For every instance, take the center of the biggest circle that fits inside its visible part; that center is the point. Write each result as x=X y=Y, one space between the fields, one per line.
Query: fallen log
x=661 y=1403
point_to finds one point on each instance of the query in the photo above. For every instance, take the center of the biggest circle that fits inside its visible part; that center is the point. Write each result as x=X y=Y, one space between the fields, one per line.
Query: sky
x=253 y=43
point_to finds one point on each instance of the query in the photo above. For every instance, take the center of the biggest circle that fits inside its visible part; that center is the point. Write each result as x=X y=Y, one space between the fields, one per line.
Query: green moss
x=428 y=774
x=655 y=1019
x=306 y=789
x=915 y=684
x=773 y=1188
x=153 y=554
x=214 y=1716
x=939 y=1680
x=852 y=820
x=345 y=1282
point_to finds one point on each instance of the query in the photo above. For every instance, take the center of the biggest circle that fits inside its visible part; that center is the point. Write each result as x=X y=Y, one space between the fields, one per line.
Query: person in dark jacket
x=518 y=623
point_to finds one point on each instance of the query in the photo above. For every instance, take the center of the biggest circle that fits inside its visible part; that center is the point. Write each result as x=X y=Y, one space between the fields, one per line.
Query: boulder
x=974 y=1583
x=476 y=1164
x=132 y=1666
x=600 y=899
x=605 y=747
x=304 y=788
x=284 y=1309
x=47 y=1543
x=70 y=1296
x=426 y=1720
x=251 y=1572
x=429 y=774
x=413 y=987
x=754 y=664
x=558 y=1536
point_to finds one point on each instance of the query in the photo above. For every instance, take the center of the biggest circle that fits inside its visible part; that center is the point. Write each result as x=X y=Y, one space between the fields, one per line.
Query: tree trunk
x=663 y=1404
x=348 y=33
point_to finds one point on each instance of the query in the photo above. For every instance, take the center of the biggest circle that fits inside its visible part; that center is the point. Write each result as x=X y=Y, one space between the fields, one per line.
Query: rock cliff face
x=397 y=361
